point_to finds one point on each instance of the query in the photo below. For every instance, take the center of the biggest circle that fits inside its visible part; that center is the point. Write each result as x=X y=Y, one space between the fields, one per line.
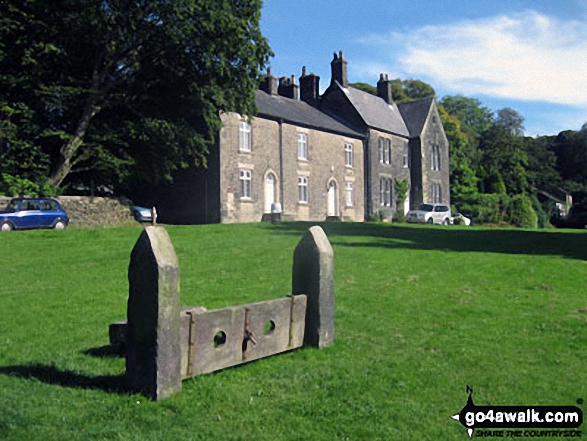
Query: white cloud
x=528 y=56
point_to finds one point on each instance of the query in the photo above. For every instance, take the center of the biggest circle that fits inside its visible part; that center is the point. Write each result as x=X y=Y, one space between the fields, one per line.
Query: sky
x=529 y=55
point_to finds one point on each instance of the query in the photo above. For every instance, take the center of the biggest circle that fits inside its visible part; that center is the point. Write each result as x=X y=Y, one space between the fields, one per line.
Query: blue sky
x=530 y=55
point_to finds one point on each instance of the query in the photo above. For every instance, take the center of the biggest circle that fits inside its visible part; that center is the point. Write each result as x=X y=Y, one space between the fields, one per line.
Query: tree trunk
x=69 y=148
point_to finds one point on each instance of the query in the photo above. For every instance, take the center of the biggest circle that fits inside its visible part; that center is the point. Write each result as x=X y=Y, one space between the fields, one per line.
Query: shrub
x=399 y=217
x=485 y=208
x=520 y=212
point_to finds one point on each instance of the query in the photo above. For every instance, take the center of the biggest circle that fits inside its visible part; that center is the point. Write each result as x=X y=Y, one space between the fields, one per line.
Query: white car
x=459 y=219
x=430 y=214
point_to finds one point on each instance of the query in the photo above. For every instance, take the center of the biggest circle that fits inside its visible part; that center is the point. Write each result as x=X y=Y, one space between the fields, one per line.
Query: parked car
x=430 y=214
x=30 y=213
x=460 y=219
x=142 y=214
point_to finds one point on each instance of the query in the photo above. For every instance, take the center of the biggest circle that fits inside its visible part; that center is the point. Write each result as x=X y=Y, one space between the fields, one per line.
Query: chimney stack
x=288 y=88
x=269 y=83
x=384 y=88
x=338 y=67
x=309 y=88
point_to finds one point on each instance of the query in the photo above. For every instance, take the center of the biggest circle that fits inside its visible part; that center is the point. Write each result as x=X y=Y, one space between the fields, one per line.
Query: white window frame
x=245 y=177
x=348 y=155
x=303 y=196
x=302 y=146
x=350 y=194
x=384 y=150
x=385 y=192
x=406 y=157
x=244 y=137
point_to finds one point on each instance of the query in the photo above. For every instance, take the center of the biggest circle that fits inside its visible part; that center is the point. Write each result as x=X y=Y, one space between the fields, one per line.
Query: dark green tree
x=120 y=87
x=504 y=155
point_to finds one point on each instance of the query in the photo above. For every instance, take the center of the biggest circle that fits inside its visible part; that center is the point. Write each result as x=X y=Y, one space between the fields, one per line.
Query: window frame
x=303 y=190
x=406 y=156
x=245 y=177
x=348 y=155
x=245 y=137
x=303 y=146
x=384 y=150
x=350 y=193
x=385 y=191
x=435 y=158
x=436 y=191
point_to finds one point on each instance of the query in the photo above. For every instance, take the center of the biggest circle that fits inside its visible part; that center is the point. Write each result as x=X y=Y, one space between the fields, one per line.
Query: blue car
x=29 y=213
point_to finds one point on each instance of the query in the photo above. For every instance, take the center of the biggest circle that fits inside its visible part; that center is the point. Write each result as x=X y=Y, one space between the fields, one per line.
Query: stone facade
x=336 y=155
x=429 y=153
x=273 y=161
x=385 y=171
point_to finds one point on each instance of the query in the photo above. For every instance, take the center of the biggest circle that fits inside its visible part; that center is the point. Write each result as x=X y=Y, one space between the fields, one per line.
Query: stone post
x=153 y=351
x=313 y=275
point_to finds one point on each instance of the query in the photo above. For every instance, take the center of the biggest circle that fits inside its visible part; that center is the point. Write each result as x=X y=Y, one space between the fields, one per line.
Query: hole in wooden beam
x=219 y=339
x=269 y=327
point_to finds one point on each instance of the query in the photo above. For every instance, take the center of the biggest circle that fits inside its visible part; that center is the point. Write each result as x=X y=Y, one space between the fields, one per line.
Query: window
x=385 y=192
x=405 y=157
x=348 y=154
x=29 y=206
x=350 y=194
x=302 y=146
x=435 y=158
x=245 y=184
x=303 y=189
x=384 y=151
x=48 y=206
x=244 y=136
x=436 y=193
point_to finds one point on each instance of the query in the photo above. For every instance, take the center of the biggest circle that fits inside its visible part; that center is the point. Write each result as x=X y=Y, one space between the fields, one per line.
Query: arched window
x=436 y=193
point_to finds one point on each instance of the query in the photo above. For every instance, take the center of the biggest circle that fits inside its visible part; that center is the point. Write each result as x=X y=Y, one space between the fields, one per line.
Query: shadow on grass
x=52 y=375
x=569 y=243
x=107 y=351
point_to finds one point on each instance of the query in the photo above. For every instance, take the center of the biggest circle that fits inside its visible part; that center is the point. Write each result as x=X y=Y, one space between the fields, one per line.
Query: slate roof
x=376 y=112
x=299 y=113
x=415 y=113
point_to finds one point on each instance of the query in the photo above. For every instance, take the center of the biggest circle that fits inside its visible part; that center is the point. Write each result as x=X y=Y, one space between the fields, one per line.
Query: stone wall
x=90 y=212
x=325 y=165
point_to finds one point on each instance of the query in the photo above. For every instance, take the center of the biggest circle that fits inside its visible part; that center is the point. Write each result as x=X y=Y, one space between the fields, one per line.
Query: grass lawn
x=420 y=313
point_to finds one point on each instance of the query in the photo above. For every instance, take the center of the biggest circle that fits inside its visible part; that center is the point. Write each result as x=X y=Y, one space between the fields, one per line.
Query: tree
x=402 y=91
x=511 y=120
x=504 y=155
x=474 y=117
x=463 y=182
x=126 y=84
x=416 y=89
x=542 y=172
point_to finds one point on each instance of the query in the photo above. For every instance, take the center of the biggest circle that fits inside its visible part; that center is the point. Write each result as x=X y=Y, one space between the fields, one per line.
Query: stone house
x=429 y=152
x=290 y=153
x=402 y=142
x=335 y=155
